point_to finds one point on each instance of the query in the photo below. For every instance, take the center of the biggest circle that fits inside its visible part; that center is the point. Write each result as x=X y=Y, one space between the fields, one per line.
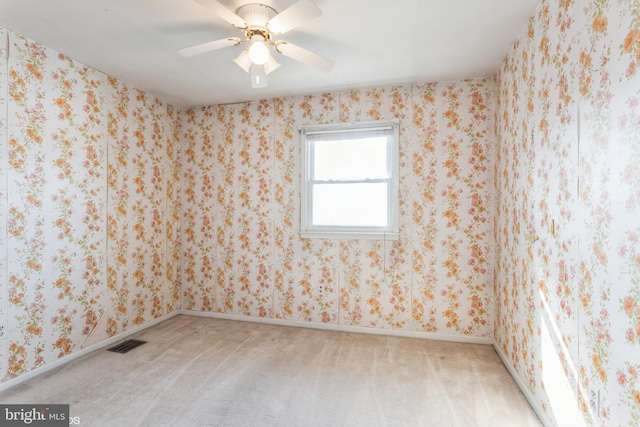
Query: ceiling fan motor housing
x=256 y=16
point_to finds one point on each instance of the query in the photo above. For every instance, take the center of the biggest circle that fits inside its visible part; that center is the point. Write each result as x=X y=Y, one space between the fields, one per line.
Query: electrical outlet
x=594 y=401
x=2 y=332
x=333 y=279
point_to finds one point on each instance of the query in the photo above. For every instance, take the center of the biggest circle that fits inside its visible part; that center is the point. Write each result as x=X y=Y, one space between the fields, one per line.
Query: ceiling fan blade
x=297 y=14
x=208 y=46
x=305 y=56
x=223 y=12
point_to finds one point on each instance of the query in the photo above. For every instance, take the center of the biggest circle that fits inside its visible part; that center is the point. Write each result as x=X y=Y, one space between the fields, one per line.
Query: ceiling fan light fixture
x=271 y=65
x=244 y=61
x=258 y=51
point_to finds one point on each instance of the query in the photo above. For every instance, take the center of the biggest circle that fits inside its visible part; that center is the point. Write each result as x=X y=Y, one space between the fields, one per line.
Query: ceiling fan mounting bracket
x=265 y=34
x=249 y=33
x=277 y=44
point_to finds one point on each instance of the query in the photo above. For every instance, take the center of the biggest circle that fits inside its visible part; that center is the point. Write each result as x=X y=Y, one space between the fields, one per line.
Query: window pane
x=354 y=159
x=363 y=205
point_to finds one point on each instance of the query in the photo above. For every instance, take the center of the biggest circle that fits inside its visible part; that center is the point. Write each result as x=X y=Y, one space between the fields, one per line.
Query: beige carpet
x=206 y=372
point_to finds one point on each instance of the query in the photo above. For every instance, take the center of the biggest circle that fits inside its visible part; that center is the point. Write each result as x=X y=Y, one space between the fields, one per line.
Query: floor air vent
x=126 y=346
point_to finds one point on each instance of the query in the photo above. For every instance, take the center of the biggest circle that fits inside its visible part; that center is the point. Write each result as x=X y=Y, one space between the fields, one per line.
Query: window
x=350 y=180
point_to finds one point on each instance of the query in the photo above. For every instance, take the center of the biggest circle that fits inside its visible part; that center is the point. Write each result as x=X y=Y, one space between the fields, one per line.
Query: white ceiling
x=373 y=42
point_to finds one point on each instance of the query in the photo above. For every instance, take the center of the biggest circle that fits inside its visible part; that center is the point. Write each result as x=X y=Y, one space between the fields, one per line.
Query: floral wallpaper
x=242 y=253
x=4 y=303
x=91 y=170
x=568 y=174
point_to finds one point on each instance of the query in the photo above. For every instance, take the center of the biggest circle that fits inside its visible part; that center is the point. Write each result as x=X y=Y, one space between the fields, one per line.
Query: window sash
x=370 y=211
x=367 y=149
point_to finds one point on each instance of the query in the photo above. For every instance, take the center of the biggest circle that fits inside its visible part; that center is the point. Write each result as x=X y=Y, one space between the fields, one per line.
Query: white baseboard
x=535 y=404
x=90 y=349
x=342 y=328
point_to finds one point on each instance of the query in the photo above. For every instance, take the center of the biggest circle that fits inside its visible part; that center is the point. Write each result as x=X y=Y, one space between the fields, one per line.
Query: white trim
x=341 y=328
x=535 y=404
x=391 y=129
x=349 y=126
x=66 y=359
x=349 y=235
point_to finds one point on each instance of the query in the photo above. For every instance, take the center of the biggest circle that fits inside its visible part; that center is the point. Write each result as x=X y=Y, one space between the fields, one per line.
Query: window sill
x=348 y=235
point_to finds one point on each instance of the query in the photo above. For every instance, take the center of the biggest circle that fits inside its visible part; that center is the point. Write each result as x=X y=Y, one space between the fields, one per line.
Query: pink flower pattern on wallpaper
x=4 y=303
x=567 y=155
x=87 y=232
x=242 y=253
x=121 y=208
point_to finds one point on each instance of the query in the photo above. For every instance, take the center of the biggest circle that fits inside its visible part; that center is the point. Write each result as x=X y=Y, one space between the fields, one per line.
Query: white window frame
x=388 y=232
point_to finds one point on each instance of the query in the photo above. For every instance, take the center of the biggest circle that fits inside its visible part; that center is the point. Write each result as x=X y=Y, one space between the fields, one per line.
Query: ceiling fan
x=260 y=24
